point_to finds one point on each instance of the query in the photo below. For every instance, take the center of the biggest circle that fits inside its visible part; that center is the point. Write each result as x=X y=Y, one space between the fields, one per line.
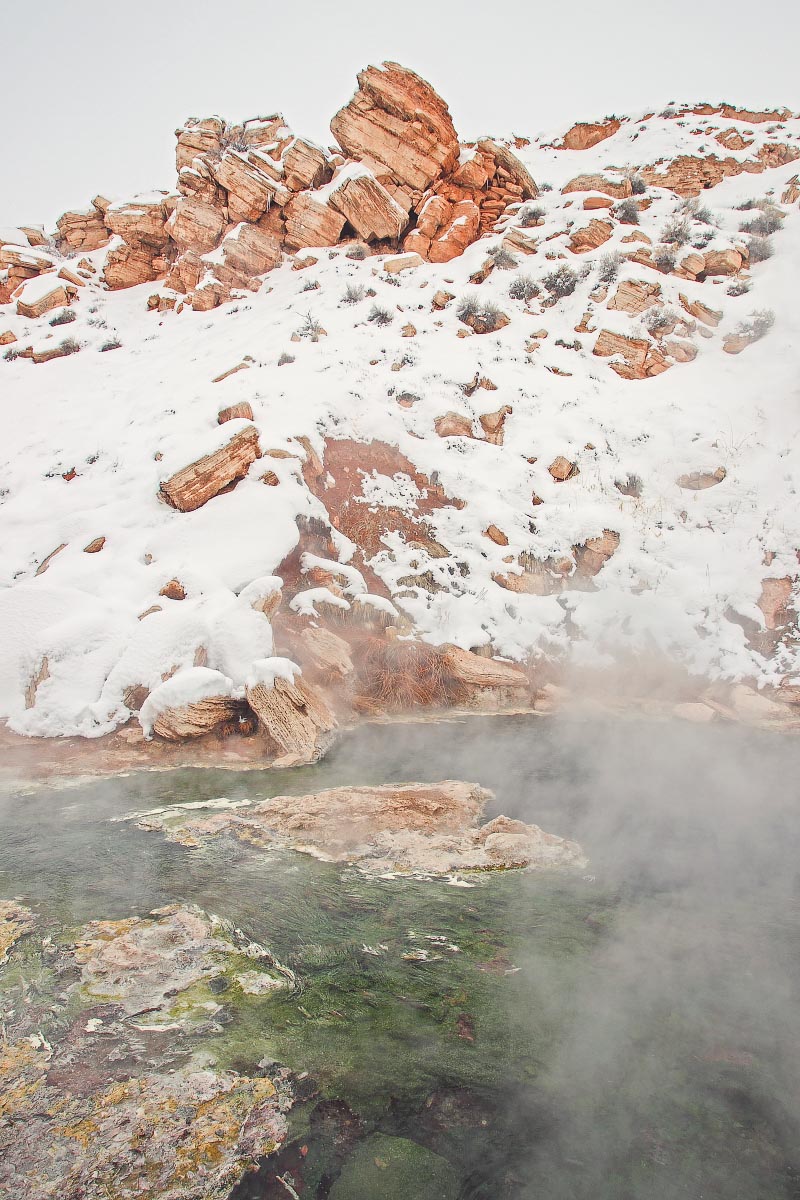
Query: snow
x=39 y=287
x=124 y=421
x=185 y=687
x=266 y=670
x=9 y=236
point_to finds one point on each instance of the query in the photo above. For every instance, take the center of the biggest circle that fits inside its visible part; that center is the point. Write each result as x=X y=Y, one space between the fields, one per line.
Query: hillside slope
x=574 y=441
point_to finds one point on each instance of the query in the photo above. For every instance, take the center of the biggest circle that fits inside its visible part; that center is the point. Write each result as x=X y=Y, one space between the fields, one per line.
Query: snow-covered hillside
x=589 y=517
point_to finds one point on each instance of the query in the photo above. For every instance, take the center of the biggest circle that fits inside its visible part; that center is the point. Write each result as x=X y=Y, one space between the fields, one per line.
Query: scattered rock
x=197 y=483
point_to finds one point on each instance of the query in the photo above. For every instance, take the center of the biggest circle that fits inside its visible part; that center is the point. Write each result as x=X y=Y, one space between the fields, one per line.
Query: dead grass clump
x=405 y=675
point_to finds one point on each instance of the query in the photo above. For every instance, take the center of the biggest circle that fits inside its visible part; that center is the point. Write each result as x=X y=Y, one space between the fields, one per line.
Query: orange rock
x=595 y=234
x=196 y=225
x=496 y=535
x=369 y=208
x=682 y=352
x=634 y=296
x=198 y=137
x=774 y=601
x=584 y=135
x=233 y=411
x=250 y=183
x=397 y=119
x=94 y=546
x=56 y=296
x=140 y=222
x=641 y=359
x=700 y=311
x=698 y=481
x=723 y=262
x=493 y=424
x=173 y=590
x=126 y=266
x=453 y=425
x=82 y=229
x=562 y=469
x=597 y=202
x=198 y=482
x=618 y=189
x=305 y=165
x=312 y=222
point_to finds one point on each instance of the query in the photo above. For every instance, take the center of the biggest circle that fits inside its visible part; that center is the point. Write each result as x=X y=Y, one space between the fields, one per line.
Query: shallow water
x=630 y=1032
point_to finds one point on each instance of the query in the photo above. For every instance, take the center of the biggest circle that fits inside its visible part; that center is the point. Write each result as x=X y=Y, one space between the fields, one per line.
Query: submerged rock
x=121 y=1105
x=395 y=1169
x=431 y=828
x=15 y=921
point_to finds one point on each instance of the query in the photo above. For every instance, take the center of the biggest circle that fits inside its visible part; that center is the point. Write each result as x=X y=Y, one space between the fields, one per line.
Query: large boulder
x=311 y=221
x=196 y=225
x=397 y=119
x=82 y=229
x=253 y=182
x=247 y=252
x=370 y=209
x=141 y=221
x=197 y=137
x=294 y=716
x=305 y=165
x=126 y=266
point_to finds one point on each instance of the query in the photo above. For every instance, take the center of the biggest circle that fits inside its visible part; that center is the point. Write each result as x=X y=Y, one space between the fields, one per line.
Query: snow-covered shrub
x=561 y=282
x=97 y=322
x=696 y=211
x=70 y=345
x=285 y=358
x=738 y=287
x=311 y=285
x=357 y=252
x=379 y=315
x=474 y=310
x=659 y=321
x=757 y=325
x=677 y=231
x=530 y=214
x=502 y=258
x=523 y=288
x=11 y=353
x=113 y=343
x=664 y=258
x=311 y=328
x=353 y=293
x=65 y=317
x=627 y=211
x=767 y=222
x=638 y=185
x=760 y=249
x=702 y=239
x=608 y=267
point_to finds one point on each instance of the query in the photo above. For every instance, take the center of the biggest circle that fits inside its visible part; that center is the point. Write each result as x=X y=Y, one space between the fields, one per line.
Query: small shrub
x=703 y=238
x=664 y=258
x=65 y=317
x=523 y=288
x=767 y=222
x=285 y=358
x=758 y=324
x=393 y=280
x=502 y=259
x=357 y=252
x=530 y=214
x=70 y=345
x=353 y=293
x=482 y=315
x=696 y=211
x=379 y=315
x=638 y=185
x=627 y=211
x=659 y=321
x=11 y=354
x=97 y=323
x=760 y=249
x=311 y=328
x=738 y=287
x=677 y=231
x=311 y=285
x=113 y=343
x=545 y=187
x=608 y=268
x=561 y=282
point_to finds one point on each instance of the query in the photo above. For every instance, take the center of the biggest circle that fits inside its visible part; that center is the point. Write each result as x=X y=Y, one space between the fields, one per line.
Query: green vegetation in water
x=394 y=1169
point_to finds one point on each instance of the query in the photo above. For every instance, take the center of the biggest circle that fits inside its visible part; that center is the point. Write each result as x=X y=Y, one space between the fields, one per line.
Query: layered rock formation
x=428 y=828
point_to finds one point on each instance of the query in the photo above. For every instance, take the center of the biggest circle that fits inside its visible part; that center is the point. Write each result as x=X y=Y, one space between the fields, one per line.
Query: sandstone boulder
x=397 y=119
x=640 y=358
x=126 y=266
x=198 y=137
x=247 y=252
x=197 y=483
x=42 y=295
x=195 y=720
x=634 y=296
x=453 y=424
x=196 y=225
x=697 y=481
x=619 y=189
x=305 y=165
x=369 y=208
x=311 y=221
x=252 y=182
x=82 y=229
x=595 y=234
x=584 y=135
x=140 y=222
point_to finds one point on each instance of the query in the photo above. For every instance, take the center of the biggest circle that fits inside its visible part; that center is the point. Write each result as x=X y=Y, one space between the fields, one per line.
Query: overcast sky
x=92 y=93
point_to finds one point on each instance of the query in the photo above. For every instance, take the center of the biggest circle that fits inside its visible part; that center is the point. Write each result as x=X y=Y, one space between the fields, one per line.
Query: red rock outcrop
x=311 y=221
x=82 y=229
x=641 y=358
x=369 y=208
x=295 y=717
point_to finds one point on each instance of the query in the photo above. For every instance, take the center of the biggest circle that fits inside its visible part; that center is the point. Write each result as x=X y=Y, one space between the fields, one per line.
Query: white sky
x=92 y=93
